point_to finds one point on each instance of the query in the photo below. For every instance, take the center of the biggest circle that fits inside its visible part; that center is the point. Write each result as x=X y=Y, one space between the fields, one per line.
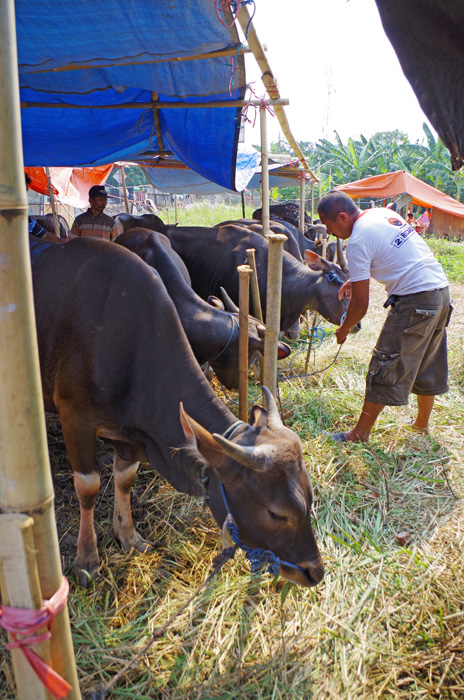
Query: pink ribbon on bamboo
x=18 y=621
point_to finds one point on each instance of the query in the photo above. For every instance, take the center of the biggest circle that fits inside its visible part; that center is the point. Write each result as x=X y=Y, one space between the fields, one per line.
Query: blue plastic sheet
x=115 y=53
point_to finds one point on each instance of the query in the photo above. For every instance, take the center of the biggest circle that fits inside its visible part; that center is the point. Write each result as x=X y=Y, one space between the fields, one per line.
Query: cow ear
x=200 y=439
x=315 y=262
x=258 y=417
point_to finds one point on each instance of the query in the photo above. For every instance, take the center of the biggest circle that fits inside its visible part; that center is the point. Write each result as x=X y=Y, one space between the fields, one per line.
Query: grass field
x=388 y=619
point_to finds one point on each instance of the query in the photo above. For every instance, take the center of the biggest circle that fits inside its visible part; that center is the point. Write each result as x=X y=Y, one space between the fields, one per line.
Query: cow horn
x=228 y=303
x=274 y=421
x=256 y=458
x=341 y=260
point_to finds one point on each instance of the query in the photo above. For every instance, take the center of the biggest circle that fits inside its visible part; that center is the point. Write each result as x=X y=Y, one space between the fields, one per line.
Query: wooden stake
x=273 y=304
x=242 y=196
x=244 y=272
x=25 y=475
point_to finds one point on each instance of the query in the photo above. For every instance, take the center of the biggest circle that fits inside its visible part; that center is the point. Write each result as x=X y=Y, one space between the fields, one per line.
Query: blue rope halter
x=333 y=277
x=258 y=557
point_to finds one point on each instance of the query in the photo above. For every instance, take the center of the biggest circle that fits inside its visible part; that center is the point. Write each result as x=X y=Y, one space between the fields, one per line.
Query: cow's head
x=226 y=364
x=268 y=488
x=326 y=300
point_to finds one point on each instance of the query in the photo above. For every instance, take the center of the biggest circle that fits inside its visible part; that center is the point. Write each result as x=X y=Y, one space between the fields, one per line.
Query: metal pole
x=52 y=202
x=25 y=475
x=244 y=272
x=273 y=303
x=264 y=172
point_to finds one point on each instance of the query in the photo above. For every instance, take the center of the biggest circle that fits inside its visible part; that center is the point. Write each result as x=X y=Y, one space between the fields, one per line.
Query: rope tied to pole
x=19 y=621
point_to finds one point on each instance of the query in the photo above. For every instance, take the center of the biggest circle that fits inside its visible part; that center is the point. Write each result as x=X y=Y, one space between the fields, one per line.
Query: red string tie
x=19 y=621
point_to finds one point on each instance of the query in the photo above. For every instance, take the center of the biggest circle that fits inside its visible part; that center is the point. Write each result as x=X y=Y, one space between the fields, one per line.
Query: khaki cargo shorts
x=411 y=353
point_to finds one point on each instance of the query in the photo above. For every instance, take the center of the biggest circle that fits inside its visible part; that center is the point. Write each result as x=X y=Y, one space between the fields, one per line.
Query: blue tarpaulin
x=116 y=53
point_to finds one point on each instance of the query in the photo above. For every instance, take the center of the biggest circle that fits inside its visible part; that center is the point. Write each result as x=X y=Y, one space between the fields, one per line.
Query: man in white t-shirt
x=410 y=355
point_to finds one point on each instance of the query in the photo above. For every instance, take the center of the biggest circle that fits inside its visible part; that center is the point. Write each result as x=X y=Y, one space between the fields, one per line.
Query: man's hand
x=345 y=290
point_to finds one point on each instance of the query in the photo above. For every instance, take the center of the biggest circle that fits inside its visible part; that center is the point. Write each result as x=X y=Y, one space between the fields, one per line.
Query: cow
x=212 y=332
x=47 y=222
x=282 y=227
x=115 y=364
x=128 y=221
x=212 y=256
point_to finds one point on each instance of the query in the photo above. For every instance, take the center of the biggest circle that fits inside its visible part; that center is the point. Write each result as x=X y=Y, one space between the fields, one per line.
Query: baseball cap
x=98 y=191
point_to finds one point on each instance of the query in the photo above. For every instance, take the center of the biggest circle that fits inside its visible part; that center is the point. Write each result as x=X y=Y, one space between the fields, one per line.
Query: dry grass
x=388 y=620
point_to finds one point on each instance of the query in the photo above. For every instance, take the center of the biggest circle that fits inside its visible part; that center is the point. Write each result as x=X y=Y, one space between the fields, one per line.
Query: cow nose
x=314 y=569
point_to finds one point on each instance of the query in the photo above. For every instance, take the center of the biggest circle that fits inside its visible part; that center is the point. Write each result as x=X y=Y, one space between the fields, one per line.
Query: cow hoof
x=85 y=574
x=137 y=543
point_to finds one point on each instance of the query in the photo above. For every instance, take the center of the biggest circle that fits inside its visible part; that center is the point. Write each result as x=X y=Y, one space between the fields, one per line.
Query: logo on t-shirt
x=394 y=222
x=403 y=235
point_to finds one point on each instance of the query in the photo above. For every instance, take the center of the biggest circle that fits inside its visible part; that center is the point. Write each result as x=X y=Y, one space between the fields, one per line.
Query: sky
x=334 y=62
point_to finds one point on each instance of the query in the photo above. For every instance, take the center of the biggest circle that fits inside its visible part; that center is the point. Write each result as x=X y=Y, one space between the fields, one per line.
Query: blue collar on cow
x=258 y=557
x=234 y=324
x=333 y=277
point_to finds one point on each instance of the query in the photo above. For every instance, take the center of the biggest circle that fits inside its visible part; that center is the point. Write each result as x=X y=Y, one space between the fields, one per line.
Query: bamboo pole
x=157 y=105
x=242 y=197
x=312 y=202
x=270 y=83
x=257 y=310
x=25 y=476
x=20 y=588
x=52 y=202
x=264 y=173
x=256 y=298
x=124 y=189
x=273 y=303
x=232 y=51
x=244 y=272
x=175 y=209
x=302 y=202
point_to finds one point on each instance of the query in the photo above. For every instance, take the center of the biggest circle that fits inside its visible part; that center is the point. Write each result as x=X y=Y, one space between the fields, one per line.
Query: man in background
x=94 y=222
x=410 y=355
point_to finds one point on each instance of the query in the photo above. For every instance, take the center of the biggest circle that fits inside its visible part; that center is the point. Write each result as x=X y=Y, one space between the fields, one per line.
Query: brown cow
x=115 y=363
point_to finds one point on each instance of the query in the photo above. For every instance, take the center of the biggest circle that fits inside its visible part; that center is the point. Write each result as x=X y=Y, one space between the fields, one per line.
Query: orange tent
x=391 y=185
x=70 y=185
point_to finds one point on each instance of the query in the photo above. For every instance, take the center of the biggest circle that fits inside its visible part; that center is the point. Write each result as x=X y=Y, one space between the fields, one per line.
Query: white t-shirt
x=383 y=246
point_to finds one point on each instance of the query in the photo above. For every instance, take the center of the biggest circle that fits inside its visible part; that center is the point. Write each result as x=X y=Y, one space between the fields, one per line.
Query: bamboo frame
x=232 y=51
x=158 y=105
x=244 y=272
x=273 y=304
x=25 y=476
x=124 y=189
x=257 y=310
x=270 y=83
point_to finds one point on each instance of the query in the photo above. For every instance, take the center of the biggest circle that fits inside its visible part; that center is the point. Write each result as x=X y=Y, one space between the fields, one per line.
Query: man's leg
x=369 y=414
x=424 y=409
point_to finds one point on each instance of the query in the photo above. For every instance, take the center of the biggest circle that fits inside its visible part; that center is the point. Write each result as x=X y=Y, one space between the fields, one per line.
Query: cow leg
x=124 y=473
x=80 y=441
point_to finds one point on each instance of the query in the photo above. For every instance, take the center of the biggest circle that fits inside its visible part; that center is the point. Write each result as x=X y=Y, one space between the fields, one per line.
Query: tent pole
x=25 y=475
x=264 y=172
x=302 y=202
x=124 y=189
x=52 y=202
x=244 y=272
x=312 y=202
x=242 y=197
x=273 y=304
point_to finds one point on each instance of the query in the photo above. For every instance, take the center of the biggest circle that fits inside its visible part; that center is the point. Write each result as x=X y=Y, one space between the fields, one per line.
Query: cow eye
x=277 y=517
